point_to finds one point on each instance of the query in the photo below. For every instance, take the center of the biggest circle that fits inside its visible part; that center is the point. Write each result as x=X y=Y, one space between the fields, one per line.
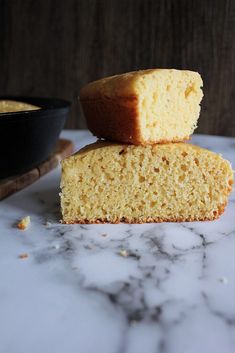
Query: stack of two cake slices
x=146 y=174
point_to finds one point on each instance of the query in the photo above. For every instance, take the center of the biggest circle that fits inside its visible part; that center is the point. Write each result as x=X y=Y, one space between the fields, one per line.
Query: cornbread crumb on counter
x=109 y=182
x=24 y=223
x=144 y=107
x=123 y=253
x=23 y=256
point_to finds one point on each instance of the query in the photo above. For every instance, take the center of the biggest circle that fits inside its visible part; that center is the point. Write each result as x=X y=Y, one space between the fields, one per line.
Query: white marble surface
x=77 y=293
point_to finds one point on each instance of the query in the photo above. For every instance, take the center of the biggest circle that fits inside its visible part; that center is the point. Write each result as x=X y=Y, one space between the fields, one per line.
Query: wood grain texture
x=52 y=48
x=16 y=183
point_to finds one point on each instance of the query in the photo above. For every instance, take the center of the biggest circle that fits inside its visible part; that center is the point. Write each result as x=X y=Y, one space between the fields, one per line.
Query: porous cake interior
x=112 y=182
x=168 y=104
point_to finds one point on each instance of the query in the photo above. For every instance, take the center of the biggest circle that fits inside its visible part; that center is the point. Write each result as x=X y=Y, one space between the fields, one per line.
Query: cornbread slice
x=144 y=107
x=108 y=182
x=24 y=223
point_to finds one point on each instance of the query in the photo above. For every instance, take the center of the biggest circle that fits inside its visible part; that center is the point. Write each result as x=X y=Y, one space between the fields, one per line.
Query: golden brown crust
x=125 y=84
x=117 y=120
x=216 y=215
x=114 y=120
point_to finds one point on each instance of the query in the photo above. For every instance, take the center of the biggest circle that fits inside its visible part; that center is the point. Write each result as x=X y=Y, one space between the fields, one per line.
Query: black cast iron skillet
x=27 y=138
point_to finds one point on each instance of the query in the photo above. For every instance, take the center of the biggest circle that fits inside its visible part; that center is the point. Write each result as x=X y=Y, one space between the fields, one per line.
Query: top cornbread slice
x=144 y=107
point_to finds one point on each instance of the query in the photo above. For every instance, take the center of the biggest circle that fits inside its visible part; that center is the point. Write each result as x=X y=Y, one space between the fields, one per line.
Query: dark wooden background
x=52 y=48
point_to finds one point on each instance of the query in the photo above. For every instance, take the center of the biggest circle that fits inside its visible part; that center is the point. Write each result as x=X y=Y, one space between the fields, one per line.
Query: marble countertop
x=167 y=288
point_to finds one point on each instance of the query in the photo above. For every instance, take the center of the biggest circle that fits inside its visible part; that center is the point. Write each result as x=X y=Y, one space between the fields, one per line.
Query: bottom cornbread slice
x=108 y=182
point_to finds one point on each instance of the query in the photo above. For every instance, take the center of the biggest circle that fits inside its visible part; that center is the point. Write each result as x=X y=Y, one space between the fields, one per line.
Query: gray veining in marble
x=167 y=288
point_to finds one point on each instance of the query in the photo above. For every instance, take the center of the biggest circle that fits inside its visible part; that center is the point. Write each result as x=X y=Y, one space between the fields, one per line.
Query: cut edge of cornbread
x=111 y=183
x=144 y=107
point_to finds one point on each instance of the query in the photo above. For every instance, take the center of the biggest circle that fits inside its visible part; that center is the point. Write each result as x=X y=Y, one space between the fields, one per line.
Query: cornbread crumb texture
x=24 y=223
x=144 y=107
x=108 y=182
x=23 y=256
x=123 y=253
x=10 y=106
